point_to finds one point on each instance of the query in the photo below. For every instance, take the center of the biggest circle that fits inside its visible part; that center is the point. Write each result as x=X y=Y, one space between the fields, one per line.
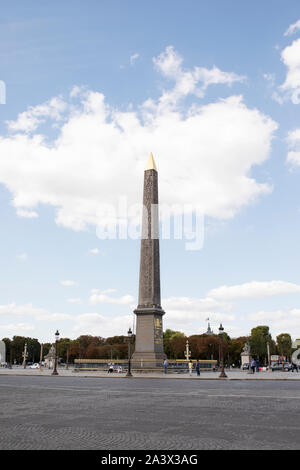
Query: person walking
x=165 y=366
x=253 y=365
x=190 y=368
x=294 y=367
x=198 y=367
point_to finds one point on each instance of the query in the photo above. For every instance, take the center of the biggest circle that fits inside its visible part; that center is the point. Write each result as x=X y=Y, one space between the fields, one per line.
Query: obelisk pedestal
x=149 y=351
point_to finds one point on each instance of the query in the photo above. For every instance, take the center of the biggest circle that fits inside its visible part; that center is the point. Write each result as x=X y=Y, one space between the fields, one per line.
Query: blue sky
x=211 y=88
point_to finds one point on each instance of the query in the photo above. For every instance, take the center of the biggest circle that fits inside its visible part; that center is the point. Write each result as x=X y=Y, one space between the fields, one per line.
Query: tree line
x=116 y=347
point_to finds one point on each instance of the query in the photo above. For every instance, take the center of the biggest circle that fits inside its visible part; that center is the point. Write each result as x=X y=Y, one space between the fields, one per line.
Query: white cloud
x=134 y=57
x=105 y=291
x=16 y=328
x=101 y=298
x=293 y=140
x=292 y=28
x=75 y=301
x=193 y=304
x=94 y=251
x=100 y=325
x=27 y=214
x=189 y=314
x=291 y=58
x=68 y=283
x=169 y=63
x=270 y=78
x=254 y=289
x=280 y=321
x=29 y=120
x=28 y=310
x=23 y=256
x=83 y=168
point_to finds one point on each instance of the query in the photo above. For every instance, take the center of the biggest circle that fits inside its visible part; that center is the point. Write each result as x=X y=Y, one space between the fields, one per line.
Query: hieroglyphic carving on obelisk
x=149 y=351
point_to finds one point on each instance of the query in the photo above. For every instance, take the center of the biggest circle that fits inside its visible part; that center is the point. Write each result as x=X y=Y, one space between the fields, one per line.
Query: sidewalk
x=231 y=374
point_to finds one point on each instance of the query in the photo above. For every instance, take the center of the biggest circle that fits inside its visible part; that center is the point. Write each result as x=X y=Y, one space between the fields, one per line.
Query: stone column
x=149 y=352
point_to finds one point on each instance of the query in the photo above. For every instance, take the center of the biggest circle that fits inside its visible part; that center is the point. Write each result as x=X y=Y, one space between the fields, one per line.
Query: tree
x=168 y=337
x=46 y=348
x=33 y=348
x=115 y=340
x=235 y=347
x=204 y=346
x=62 y=347
x=178 y=347
x=260 y=335
x=7 y=342
x=284 y=344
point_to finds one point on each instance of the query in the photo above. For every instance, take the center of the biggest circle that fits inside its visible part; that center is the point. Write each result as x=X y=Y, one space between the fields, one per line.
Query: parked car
x=34 y=366
x=278 y=366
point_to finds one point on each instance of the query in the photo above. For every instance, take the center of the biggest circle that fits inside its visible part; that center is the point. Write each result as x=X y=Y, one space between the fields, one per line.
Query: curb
x=151 y=377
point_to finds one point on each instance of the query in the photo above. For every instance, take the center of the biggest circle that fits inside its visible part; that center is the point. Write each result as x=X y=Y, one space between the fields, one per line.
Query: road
x=103 y=413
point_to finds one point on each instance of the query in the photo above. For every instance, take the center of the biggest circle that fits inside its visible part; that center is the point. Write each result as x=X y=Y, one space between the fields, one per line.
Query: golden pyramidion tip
x=151 y=163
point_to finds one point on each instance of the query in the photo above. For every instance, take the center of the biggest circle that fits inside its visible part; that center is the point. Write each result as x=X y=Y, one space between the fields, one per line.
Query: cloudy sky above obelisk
x=213 y=90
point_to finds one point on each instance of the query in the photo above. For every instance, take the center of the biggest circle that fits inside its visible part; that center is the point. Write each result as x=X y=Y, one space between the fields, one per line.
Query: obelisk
x=149 y=350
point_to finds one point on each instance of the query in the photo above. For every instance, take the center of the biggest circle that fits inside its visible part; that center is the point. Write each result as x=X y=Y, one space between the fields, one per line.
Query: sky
x=212 y=89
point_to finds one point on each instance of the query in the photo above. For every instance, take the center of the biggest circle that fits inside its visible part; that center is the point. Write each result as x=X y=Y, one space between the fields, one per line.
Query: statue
x=295 y=359
x=245 y=356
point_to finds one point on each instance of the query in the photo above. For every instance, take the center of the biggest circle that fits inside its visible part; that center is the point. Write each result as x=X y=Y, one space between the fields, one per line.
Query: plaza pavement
x=232 y=374
x=79 y=413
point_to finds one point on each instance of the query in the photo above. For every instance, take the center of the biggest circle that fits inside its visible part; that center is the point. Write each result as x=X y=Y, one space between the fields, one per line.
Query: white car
x=34 y=366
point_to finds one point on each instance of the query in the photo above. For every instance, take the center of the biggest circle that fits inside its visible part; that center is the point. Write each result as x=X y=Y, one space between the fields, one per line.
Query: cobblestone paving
x=96 y=413
x=232 y=374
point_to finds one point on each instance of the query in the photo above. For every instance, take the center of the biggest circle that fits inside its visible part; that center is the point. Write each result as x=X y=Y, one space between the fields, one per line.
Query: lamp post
x=25 y=354
x=67 y=365
x=187 y=351
x=269 y=357
x=129 y=374
x=221 y=330
x=250 y=358
x=41 y=358
x=10 y=356
x=55 y=360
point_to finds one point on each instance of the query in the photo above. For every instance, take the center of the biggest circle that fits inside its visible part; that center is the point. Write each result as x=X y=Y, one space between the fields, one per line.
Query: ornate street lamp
x=129 y=374
x=25 y=355
x=55 y=361
x=269 y=357
x=41 y=358
x=10 y=356
x=221 y=330
x=67 y=365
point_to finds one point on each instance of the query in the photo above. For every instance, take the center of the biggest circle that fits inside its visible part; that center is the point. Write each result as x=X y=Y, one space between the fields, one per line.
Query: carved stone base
x=147 y=360
x=149 y=349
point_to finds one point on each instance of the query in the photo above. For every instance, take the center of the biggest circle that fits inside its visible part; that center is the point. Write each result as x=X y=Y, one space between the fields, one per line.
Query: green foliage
x=62 y=347
x=17 y=346
x=116 y=347
x=260 y=335
x=7 y=342
x=235 y=347
x=115 y=340
x=46 y=349
x=284 y=344
x=173 y=343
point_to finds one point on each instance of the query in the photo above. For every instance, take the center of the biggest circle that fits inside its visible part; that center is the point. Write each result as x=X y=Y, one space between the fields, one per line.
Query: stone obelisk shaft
x=149 y=286
x=149 y=332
